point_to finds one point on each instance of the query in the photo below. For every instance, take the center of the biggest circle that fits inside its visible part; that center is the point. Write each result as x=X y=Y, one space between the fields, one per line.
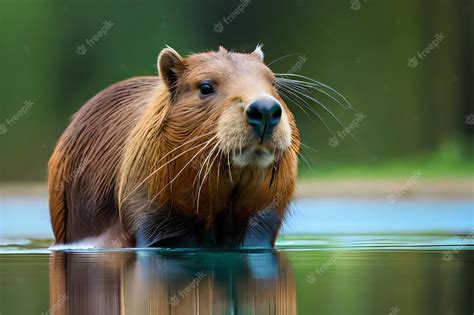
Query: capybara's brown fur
x=176 y=159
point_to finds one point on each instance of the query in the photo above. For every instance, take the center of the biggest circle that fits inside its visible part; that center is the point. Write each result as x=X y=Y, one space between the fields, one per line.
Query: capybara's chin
x=203 y=155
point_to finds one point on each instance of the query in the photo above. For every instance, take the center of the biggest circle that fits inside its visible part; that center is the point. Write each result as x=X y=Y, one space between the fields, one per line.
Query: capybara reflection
x=153 y=283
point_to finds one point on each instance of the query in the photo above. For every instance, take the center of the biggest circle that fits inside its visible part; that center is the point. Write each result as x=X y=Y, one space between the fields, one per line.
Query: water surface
x=291 y=281
x=333 y=257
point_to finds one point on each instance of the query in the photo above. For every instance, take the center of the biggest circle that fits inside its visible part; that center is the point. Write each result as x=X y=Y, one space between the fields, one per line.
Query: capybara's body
x=84 y=167
x=203 y=155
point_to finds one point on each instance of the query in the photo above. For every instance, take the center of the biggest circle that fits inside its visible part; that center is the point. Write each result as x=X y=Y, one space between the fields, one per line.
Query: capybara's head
x=232 y=98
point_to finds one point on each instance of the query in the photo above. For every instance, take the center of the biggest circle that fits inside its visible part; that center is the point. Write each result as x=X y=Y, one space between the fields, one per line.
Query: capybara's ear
x=170 y=64
x=259 y=52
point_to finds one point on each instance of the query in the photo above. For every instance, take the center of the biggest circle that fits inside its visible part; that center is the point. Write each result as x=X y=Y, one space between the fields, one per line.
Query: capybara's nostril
x=263 y=115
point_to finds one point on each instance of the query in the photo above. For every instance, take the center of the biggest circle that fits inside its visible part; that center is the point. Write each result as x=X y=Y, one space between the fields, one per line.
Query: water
x=334 y=257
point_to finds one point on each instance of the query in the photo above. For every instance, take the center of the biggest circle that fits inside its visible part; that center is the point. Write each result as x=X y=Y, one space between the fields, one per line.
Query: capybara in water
x=202 y=155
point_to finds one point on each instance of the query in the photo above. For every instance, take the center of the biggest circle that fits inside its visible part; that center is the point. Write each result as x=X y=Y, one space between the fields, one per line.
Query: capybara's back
x=84 y=167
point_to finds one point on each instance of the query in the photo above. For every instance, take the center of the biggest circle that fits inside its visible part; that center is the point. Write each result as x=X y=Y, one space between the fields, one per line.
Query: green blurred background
x=415 y=117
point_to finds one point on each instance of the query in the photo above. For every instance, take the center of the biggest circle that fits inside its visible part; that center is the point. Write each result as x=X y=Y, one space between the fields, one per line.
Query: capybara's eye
x=206 y=88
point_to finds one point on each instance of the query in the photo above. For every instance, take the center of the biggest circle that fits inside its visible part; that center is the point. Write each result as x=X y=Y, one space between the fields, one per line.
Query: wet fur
x=128 y=159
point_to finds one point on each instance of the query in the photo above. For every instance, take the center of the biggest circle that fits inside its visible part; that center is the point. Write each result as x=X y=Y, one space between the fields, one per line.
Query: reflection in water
x=151 y=282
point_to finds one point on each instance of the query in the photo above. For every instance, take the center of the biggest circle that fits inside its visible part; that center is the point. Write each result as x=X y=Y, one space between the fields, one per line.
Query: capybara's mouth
x=257 y=155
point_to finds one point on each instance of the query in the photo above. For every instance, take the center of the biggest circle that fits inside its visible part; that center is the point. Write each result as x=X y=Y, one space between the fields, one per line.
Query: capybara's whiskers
x=326 y=108
x=280 y=58
x=163 y=165
x=304 y=88
x=292 y=87
x=229 y=168
x=208 y=169
x=198 y=175
x=184 y=167
x=315 y=84
x=308 y=147
x=203 y=163
x=291 y=90
x=303 y=85
x=299 y=92
x=302 y=103
x=285 y=92
x=300 y=154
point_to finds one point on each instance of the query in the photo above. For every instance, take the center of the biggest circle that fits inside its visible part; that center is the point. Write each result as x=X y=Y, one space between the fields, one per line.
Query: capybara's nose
x=263 y=115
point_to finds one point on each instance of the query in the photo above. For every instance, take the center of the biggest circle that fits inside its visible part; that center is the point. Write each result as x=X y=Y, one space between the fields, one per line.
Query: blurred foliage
x=362 y=51
x=448 y=161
